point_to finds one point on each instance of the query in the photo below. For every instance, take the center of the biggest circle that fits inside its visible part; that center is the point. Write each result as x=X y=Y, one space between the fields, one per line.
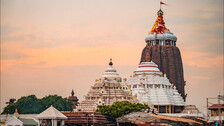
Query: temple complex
x=161 y=48
x=150 y=86
x=74 y=100
x=106 y=90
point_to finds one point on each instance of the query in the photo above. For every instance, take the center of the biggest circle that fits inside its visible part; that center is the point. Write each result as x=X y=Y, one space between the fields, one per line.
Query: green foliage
x=31 y=105
x=11 y=101
x=119 y=109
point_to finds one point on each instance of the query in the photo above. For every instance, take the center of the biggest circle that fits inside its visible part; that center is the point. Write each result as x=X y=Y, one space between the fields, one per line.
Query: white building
x=51 y=117
x=14 y=121
x=150 y=86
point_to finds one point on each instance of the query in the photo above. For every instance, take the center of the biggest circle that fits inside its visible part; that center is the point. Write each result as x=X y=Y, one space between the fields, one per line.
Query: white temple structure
x=52 y=117
x=106 y=90
x=150 y=86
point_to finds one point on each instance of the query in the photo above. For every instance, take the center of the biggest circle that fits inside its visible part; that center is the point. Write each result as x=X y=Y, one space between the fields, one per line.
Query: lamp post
x=87 y=119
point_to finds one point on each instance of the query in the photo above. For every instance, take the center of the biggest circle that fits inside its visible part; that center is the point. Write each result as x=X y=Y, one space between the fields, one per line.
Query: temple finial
x=111 y=64
x=160 y=12
x=72 y=93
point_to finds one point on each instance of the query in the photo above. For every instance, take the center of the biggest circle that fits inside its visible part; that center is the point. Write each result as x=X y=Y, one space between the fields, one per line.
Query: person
x=216 y=124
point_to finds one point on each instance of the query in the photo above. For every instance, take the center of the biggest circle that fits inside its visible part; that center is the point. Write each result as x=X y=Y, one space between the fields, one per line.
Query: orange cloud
x=201 y=59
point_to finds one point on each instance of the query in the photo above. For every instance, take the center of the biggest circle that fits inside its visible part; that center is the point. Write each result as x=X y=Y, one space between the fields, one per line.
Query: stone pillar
x=62 y=122
x=54 y=122
x=39 y=122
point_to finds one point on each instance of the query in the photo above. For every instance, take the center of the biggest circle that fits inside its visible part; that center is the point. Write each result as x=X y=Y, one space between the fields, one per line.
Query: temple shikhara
x=150 y=86
x=106 y=90
x=74 y=100
x=161 y=49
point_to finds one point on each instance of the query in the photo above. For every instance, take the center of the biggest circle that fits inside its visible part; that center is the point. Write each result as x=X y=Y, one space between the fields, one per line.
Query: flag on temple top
x=163 y=3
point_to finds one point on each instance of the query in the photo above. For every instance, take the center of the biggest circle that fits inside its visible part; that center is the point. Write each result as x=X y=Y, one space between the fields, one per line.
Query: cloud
x=201 y=59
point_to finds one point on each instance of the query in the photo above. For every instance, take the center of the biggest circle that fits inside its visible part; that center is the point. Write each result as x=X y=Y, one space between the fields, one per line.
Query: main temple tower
x=161 y=48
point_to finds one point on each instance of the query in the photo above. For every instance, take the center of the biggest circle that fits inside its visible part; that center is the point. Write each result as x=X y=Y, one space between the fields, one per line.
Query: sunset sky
x=54 y=46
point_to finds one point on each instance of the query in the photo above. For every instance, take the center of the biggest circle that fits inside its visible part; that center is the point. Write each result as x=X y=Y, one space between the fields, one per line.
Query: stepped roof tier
x=150 y=86
x=106 y=90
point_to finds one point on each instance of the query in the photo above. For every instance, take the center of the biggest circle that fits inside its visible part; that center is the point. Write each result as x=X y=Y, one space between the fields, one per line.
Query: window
x=157 y=86
x=149 y=85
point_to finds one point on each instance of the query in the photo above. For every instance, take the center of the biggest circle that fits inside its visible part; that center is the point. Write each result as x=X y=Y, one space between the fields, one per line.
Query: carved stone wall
x=168 y=59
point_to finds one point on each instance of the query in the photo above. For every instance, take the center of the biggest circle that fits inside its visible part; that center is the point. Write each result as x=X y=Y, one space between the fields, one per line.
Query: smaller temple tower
x=150 y=86
x=106 y=90
x=74 y=99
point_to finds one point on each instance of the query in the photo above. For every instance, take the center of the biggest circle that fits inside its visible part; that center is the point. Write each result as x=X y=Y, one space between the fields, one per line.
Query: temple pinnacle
x=111 y=64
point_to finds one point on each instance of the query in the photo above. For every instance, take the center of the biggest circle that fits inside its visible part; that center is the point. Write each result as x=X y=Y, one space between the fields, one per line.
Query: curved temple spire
x=159 y=25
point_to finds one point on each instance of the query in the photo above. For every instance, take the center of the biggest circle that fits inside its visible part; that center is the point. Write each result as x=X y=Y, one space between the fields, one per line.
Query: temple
x=74 y=100
x=161 y=49
x=159 y=34
x=150 y=86
x=106 y=90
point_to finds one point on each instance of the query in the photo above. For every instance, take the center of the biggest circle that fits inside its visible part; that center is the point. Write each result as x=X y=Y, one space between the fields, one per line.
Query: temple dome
x=150 y=86
x=111 y=72
x=148 y=68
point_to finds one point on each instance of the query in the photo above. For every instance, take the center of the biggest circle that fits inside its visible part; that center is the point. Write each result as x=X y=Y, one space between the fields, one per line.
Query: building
x=217 y=112
x=74 y=100
x=161 y=48
x=14 y=121
x=191 y=109
x=85 y=118
x=150 y=86
x=149 y=119
x=51 y=117
x=106 y=90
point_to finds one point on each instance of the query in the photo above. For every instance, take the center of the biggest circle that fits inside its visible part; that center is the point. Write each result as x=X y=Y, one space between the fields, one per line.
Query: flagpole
x=160 y=5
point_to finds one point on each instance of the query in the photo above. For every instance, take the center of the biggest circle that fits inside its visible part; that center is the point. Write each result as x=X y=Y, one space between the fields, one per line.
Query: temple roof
x=147 y=68
x=51 y=113
x=149 y=86
x=111 y=72
x=216 y=106
x=159 y=25
x=159 y=30
x=106 y=90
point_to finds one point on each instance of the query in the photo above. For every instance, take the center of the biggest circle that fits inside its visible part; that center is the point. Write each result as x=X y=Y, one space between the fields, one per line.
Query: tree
x=62 y=104
x=119 y=109
x=11 y=101
x=32 y=105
